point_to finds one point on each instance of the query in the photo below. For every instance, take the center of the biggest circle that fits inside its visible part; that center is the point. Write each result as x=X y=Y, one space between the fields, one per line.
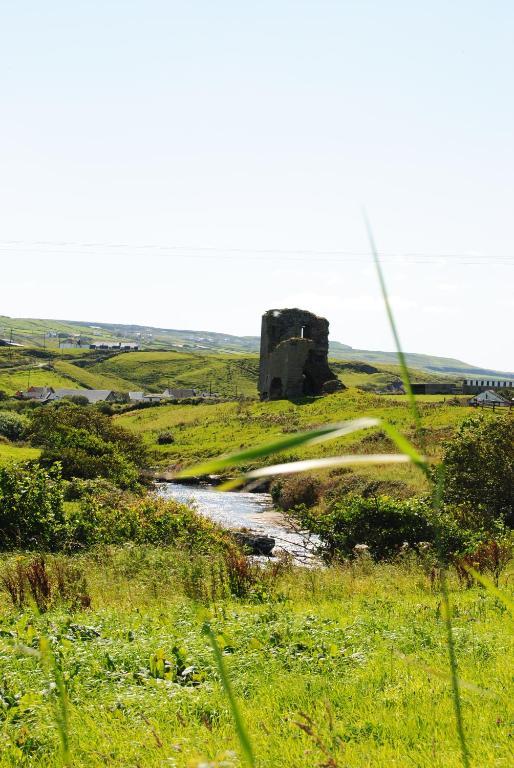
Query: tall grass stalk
x=244 y=739
x=61 y=707
x=48 y=661
x=401 y=357
x=437 y=502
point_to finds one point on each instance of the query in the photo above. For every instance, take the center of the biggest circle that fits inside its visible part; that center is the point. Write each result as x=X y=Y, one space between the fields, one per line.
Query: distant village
x=93 y=396
x=301 y=333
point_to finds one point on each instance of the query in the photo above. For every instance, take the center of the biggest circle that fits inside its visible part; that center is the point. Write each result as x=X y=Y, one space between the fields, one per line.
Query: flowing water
x=252 y=511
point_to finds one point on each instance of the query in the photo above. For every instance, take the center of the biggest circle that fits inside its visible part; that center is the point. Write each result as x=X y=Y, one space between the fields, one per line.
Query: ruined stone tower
x=294 y=355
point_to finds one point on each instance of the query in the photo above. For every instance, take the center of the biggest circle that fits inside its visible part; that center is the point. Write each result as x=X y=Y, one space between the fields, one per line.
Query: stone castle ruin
x=294 y=355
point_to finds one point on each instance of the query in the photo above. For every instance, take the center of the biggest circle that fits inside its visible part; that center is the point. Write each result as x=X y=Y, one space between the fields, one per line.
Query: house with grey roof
x=491 y=398
x=39 y=394
x=180 y=393
x=92 y=395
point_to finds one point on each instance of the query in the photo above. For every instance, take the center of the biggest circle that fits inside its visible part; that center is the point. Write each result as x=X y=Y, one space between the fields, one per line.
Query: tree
x=479 y=470
x=87 y=443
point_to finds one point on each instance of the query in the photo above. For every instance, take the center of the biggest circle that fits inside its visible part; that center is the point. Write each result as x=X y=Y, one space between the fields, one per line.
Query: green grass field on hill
x=207 y=430
x=10 y=453
x=228 y=375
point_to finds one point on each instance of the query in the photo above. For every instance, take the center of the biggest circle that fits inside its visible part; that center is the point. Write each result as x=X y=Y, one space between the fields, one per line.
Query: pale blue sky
x=256 y=131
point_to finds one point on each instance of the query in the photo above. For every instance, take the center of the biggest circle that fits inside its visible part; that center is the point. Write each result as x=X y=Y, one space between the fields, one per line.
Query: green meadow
x=10 y=453
x=226 y=374
x=338 y=667
x=206 y=430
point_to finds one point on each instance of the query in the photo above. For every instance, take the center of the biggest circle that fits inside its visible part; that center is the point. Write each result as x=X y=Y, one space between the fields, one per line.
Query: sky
x=193 y=164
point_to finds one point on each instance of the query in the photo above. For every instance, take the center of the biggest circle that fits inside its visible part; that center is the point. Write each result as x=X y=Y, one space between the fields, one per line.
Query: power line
x=284 y=255
x=297 y=252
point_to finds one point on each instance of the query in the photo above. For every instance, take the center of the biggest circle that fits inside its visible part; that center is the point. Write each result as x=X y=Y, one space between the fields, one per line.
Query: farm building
x=115 y=346
x=490 y=398
x=168 y=394
x=475 y=385
x=39 y=394
x=433 y=388
x=180 y=393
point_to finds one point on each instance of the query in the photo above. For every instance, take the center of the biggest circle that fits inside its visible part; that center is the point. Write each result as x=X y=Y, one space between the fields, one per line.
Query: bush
x=77 y=399
x=80 y=462
x=296 y=490
x=479 y=471
x=165 y=438
x=31 y=507
x=383 y=524
x=88 y=444
x=13 y=425
x=112 y=516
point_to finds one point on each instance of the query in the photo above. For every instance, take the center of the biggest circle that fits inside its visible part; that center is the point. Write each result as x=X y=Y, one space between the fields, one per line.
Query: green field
x=43 y=333
x=341 y=667
x=228 y=375
x=14 y=453
x=207 y=430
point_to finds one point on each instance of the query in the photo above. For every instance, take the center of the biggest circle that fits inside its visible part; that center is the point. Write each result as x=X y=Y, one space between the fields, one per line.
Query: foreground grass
x=316 y=659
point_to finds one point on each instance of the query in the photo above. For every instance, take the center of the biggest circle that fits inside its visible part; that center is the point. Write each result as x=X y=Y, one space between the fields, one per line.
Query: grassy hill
x=41 y=333
x=207 y=430
x=226 y=374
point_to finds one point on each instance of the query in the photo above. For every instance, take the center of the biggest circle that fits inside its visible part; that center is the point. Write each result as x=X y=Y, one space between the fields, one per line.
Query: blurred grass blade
x=392 y=323
x=405 y=445
x=454 y=672
x=243 y=737
x=443 y=675
x=326 y=463
x=492 y=588
x=326 y=432
x=61 y=714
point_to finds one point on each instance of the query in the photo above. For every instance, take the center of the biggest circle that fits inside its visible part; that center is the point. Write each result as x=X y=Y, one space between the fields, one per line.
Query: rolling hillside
x=226 y=374
x=38 y=333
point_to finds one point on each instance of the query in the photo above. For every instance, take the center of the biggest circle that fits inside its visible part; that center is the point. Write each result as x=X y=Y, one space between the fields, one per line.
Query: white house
x=490 y=398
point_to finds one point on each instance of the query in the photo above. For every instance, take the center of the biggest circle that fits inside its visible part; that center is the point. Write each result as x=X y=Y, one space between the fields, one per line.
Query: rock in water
x=254 y=543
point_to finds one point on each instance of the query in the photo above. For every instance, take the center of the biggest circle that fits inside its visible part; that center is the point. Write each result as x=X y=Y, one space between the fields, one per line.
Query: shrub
x=31 y=507
x=383 y=524
x=115 y=517
x=105 y=408
x=78 y=462
x=296 y=490
x=88 y=444
x=57 y=425
x=165 y=438
x=479 y=471
x=13 y=425
x=77 y=399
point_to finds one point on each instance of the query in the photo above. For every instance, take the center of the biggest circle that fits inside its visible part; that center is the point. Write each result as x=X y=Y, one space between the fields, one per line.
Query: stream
x=251 y=511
